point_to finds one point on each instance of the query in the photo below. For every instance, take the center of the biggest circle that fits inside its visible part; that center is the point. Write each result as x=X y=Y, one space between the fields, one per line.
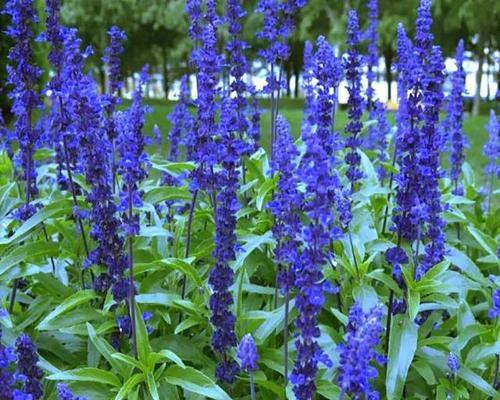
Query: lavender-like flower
x=111 y=57
x=133 y=159
x=221 y=276
x=372 y=58
x=492 y=152
x=23 y=75
x=65 y=393
x=321 y=192
x=286 y=204
x=455 y=119
x=353 y=64
x=494 y=311
x=424 y=38
x=7 y=375
x=453 y=363
x=358 y=353
x=181 y=121
x=429 y=159
x=247 y=354
x=27 y=359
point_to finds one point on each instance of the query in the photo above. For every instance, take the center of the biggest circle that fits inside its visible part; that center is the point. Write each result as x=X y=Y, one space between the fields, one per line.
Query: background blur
x=157 y=31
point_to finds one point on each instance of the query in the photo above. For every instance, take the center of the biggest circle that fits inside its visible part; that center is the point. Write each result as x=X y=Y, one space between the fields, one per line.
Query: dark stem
x=188 y=239
x=353 y=254
x=252 y=386
x=48 y=241
x=495 y=377
x=389 y=320
x=131 y=299
x=13 y=296
x=391 y=179
x=73 y=194
x=285 y=338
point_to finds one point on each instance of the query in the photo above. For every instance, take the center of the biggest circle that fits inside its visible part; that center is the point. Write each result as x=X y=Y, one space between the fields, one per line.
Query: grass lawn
x=292 y=109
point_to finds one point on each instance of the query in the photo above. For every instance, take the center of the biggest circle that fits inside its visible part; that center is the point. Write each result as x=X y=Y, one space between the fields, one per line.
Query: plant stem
x=391 y=179
x=47 y=239
x=353 y=254
x=285 y=338
x=188 y=239
x=389 y=320
x=131 y=299
x=252 y=386
x=13 y=296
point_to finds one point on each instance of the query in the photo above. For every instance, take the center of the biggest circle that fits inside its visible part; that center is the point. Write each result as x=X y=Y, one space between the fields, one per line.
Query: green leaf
x=402 y=347
x=129 y=385
x=182 y=265
x=53 y=210
x=194 y=381
x=328 y=390
x=68 y=304
x=161 y=194
x=413 y=303
x=107 y=351
x=152 y=387
x=272 y=320
x=486 y=242
x=252 y=242
x=142 y=338
x=94 y=375
x=170 y=355
x=27 y=252
x=460 y=259
x=475 y=380
x=263 y=192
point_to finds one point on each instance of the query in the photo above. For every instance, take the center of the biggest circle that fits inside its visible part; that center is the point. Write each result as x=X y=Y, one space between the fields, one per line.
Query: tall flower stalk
x=132 y=169
x=181 y=121
x=357 y=353
x=285 y=207
x=111 y=58
x=372 y=57
x=455 y=120
x=23 y=77
x=492 y=152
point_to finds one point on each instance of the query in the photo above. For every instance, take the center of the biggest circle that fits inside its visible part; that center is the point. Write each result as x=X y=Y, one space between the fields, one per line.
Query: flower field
x=246 y=247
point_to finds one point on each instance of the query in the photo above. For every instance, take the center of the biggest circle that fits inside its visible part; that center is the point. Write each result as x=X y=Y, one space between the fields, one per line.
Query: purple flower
x=377 y=135
x=111 y=57
x=455 y=118
x=453 y=363
x=27 y=359
x=357 y=353
x=23 y=76
x=181 y=121
x=353 y=65
x=372 y=58
x=494 y=311
x=397 y=257
x=492 y=152
x=247 y=354
x=286 y=203
x=133 y=160
x=64 y=393
x=424 y=39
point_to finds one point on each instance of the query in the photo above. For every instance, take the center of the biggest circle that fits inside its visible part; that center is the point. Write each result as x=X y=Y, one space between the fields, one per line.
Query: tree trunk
x=388 y=74
x=102 y=79
x=479 y=79
x=296 y=90
x=166 y=84
x=288 y=80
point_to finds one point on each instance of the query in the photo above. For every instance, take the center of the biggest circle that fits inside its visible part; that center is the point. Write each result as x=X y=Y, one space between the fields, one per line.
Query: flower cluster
x=353 y=65
x=247 y=353
x=111 y=57
x=372 y=57
x=494 y=311
x=417 y=215
x=492 y=152
x=133 y=160
x=286 y=203
x=455 y=119
x=321 y=191
x=64 y=393
x=23 y=75
x=453 y=363
x=26 y=362
x=181 y=121
x=358 y=353
x=202 y=147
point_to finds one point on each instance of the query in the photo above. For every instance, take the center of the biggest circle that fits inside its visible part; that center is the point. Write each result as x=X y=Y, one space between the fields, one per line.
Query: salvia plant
x=355 y=261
